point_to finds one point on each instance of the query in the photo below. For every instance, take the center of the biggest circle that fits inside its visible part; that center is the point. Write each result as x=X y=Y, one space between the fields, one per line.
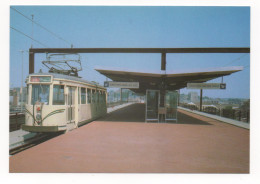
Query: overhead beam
x=33 y=51
x=143 y=50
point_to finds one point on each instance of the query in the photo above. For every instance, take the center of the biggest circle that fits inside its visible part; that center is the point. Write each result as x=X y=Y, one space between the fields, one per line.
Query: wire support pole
x=21 y=91
x=32 y=31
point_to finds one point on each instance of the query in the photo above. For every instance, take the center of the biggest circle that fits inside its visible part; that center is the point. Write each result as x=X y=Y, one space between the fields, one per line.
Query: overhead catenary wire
x=28 y=36
x=246 y=66
x=237 y=59
x=57 y=36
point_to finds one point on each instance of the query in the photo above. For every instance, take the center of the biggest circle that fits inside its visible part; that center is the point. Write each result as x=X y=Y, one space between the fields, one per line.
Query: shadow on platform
x=136 y=113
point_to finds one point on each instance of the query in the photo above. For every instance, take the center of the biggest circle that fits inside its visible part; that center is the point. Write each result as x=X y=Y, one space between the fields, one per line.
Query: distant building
x=15 y=96
x=194 y=97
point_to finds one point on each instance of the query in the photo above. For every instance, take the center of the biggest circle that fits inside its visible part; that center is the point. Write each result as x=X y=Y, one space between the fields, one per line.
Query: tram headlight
x=38 y=117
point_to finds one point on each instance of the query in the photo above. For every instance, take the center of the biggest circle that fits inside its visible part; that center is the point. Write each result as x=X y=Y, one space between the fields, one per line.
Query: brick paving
x=122 y=143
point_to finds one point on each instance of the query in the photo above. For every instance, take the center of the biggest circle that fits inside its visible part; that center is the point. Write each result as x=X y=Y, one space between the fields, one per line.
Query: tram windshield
x=58 y=95
x=40 y=93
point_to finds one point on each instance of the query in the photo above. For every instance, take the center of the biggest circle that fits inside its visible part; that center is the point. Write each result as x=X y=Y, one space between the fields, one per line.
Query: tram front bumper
x=31 y=128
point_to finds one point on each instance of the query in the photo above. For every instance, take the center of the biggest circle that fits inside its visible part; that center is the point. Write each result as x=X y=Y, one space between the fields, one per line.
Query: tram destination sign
x=206 y=85
x=41 y=79
x=112 y=84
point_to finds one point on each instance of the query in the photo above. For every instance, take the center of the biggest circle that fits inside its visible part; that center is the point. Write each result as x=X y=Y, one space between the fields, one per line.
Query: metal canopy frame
x=163 y=51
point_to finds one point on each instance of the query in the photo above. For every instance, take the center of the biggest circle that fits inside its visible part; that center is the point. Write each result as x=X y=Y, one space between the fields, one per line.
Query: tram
x=58 y=102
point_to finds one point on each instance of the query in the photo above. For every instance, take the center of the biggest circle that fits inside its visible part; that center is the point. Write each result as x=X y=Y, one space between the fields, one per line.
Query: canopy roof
x=172 y=80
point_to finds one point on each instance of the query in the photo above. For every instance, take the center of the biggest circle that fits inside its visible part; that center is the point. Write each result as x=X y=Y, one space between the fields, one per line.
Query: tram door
x=152 y=105
x=71 y=104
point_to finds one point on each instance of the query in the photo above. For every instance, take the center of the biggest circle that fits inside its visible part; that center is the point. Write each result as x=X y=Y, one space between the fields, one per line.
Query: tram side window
x=58 y=95
x=101 y=97
x=104 y=97
x=40 y=93
x=27 y=94
x=93 y=96
x=83 y=95
x=89 y=95
x=98 y=95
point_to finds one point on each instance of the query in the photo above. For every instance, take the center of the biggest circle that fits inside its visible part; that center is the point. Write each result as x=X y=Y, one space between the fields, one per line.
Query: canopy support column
x=163 y=61
x=121 y=96
x=31 y=62
x=200 y=99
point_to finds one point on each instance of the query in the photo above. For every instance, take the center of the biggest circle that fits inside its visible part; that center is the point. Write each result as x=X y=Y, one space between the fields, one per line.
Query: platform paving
x=122 y=142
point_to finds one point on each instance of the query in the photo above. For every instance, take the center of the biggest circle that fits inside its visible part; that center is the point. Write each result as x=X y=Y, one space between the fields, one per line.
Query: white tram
x=59 y=102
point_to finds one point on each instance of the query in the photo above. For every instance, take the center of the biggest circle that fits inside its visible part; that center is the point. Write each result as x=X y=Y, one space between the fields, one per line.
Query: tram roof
x=67 y=77
x=174 y=79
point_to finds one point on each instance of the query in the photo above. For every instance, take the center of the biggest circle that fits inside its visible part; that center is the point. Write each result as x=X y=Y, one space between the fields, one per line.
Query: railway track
x=32 y=142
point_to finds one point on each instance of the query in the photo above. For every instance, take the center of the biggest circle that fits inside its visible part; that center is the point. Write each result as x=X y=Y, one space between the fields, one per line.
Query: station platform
x=122 y=142
x=18 y=137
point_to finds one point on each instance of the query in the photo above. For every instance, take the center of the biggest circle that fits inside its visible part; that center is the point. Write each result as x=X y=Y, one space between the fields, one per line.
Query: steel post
x=200 y=99
x=31 y=62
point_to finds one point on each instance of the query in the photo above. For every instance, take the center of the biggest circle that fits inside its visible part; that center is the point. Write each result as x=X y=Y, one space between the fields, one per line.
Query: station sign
x=129 y=85
x=206 y=85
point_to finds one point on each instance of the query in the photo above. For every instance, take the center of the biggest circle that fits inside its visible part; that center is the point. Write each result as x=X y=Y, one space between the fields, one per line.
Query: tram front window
x=58 y=95
x=40 y=93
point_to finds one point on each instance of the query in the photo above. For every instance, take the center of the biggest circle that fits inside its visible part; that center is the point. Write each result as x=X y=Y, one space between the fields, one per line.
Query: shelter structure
x=161 y=88
x=167 y=80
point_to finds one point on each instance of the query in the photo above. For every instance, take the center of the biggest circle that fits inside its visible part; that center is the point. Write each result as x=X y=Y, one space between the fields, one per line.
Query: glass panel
x=58 y=95
x=71 y=103
x=70 y=96
x=152 y=100
x=83 y=95
x=93 y=96
x=101 y=97
x=40 y=93
x=171 y=102
x=98 y=96
x=79 y=95
x=27 y=94
x=73 y=89
x=89 y=95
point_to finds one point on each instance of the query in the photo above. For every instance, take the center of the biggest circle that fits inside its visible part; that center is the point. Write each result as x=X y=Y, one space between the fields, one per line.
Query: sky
x=136 y=27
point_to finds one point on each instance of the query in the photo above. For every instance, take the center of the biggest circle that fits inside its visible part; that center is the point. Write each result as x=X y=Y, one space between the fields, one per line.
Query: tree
x=246 y=105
